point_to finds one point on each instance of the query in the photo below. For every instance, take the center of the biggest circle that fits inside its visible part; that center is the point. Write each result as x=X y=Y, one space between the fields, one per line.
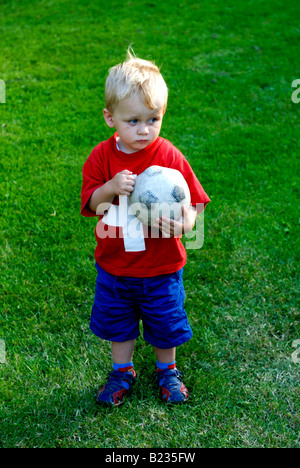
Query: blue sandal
x=114 y=391
x=172 y=389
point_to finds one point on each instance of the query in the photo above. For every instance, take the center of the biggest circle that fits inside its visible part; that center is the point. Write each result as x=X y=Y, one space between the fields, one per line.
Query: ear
x=108 y=118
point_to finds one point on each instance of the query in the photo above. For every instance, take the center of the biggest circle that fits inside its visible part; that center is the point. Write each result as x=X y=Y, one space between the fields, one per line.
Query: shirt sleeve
x=93 y=178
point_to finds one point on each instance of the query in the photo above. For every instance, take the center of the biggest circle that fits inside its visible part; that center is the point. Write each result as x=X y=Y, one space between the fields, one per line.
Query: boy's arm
x=121 y=184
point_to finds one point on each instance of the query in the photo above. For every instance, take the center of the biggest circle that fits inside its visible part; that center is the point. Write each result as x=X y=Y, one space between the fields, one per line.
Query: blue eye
x=133 y=121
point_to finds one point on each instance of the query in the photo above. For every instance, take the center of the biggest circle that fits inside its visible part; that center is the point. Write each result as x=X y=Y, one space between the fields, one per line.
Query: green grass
x=229 y=66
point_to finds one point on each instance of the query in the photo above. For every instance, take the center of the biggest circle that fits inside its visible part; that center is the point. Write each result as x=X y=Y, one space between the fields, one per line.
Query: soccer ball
x=159 y=191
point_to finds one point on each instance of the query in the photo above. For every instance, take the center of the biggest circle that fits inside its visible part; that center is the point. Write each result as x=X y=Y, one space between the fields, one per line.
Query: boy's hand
x=172 y=228
x=123 y=183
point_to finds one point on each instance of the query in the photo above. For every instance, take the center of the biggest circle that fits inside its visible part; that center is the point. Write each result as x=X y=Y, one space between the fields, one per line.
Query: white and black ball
x=159 y=191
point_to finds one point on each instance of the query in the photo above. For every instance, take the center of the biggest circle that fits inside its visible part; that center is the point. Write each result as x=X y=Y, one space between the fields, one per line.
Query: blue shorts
x=120 y=303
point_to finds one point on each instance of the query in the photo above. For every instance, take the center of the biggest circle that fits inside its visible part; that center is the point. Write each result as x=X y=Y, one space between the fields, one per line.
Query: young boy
x=143 y=282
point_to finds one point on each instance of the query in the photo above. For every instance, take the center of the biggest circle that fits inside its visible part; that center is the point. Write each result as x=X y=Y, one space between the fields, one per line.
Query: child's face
x=137 y=125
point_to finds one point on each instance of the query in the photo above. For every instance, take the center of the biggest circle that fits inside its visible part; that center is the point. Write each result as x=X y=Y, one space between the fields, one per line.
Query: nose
x=143 y=129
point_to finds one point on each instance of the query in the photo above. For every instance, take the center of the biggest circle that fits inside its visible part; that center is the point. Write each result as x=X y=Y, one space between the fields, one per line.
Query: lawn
x=229 y=66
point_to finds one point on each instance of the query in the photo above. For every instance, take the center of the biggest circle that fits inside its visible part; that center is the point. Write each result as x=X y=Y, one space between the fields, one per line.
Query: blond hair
x=133 y=76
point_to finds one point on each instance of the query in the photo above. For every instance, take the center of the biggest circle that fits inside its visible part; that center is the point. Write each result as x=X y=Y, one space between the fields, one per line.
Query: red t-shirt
x=161 y=255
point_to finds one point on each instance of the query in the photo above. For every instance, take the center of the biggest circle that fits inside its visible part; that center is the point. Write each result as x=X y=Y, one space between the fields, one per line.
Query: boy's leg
x=122 y=352
x=165 y=355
